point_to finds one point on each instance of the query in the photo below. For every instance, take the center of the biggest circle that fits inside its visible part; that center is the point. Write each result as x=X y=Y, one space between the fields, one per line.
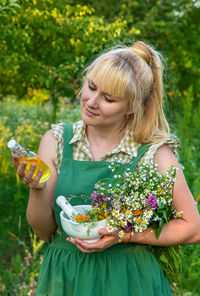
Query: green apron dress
x=123 y=269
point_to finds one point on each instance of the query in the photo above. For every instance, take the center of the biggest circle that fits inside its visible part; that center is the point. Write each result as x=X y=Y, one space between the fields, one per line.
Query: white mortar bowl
x=77 y=230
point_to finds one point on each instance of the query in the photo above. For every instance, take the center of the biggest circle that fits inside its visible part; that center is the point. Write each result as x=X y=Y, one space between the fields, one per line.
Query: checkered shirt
x=122 y=153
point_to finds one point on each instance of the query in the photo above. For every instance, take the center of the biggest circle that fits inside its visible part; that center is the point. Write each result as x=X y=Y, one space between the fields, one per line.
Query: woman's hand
x=26 y=177
x=109 y=239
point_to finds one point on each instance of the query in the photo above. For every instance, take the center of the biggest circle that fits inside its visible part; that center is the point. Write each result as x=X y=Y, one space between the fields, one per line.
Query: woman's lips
x=89 y=113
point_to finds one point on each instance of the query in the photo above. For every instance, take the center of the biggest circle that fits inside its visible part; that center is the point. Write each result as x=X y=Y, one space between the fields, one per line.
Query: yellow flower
x=116 y=213
x=148 y=213
x=179 y=214
x=198 y=198
x=144 y=226
x=110 y=228
x=127 y=213
x=120 y=233
x=123 y=223
x=138 y=229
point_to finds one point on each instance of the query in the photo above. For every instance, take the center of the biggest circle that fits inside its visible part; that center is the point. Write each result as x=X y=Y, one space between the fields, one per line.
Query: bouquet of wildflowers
x=135 y=200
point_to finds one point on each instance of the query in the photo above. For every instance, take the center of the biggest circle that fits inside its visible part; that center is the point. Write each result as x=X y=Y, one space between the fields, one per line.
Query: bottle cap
x=11 y=144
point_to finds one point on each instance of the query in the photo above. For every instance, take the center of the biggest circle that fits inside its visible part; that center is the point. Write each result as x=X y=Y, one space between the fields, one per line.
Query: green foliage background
x=44 y=48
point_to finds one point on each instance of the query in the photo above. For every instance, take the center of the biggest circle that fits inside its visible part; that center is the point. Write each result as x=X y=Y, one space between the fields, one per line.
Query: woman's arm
x=184 y=230
x=39 y=213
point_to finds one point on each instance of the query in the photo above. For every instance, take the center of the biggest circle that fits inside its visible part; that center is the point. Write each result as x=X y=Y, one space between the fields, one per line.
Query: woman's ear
x=130 y=110
x=133 y=108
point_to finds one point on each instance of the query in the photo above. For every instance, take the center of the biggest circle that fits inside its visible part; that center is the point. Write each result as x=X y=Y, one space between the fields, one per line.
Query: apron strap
x=141 y=151
x=67 y=136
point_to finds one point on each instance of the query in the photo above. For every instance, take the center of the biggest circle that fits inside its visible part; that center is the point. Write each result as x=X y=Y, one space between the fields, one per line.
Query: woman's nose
x=93 y=100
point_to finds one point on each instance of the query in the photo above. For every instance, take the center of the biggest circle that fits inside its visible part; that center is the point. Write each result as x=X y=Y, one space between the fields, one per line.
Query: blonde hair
x=135 y=73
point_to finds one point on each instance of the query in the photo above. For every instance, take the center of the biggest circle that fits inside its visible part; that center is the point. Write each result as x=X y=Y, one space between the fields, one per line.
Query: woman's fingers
x=15 y=160
x=21 y=170
x=87 y=247
x=35 y=182
x=100 y=245
x=80 y=247
x=30 y=172
x=27 y=177
x=103 y=231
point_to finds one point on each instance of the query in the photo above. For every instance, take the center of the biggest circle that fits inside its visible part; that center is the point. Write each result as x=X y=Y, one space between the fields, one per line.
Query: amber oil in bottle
x=30 y=157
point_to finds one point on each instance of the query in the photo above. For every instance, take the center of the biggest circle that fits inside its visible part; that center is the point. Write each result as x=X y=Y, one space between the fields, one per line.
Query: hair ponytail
x=150 y=124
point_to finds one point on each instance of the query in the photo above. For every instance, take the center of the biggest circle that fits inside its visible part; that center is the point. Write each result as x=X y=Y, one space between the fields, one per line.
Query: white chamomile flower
x=179 y=214
x=163 y=200
x=121 y=233
x=110 y=228
x=156 y=219
x=137 y=220
x=115 y=213
x=148 y=213
x=144 y=227
x=138 y=228
x=128 y=213
x=116 y=198
x=144 y=224
x=123 y=223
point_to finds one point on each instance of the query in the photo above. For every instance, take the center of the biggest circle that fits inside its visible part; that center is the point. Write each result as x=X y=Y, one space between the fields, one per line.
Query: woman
x=121 y=108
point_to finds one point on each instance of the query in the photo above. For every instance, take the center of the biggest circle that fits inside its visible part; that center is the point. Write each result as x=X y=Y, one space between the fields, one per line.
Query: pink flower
x=28 y=263
x=152 y=201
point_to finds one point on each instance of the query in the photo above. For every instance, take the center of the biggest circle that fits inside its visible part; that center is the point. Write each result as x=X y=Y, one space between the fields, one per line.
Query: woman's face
x=101 y=109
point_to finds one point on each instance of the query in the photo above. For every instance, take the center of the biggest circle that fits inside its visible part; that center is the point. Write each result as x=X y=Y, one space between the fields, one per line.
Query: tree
x=47 y=45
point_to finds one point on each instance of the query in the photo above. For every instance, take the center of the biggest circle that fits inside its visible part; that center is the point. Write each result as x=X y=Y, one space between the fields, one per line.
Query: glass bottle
x=30 y=157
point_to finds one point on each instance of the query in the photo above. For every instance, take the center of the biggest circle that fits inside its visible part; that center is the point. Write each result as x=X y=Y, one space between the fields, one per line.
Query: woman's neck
x=102 y=140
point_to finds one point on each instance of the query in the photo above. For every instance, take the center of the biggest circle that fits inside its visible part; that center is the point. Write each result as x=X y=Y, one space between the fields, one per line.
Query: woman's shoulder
x=163 y=150
x=48 y=137
x=58 y=129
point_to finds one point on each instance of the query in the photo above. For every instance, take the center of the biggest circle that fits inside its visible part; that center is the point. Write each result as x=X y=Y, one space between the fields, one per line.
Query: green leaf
x=159 y=229
x=165 y=215
x=3 y=2
x=164 y=259
x=15 y=5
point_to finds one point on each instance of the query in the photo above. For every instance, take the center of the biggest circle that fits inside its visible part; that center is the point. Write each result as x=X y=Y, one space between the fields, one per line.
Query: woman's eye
x=108 y=100
x=91 y=87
